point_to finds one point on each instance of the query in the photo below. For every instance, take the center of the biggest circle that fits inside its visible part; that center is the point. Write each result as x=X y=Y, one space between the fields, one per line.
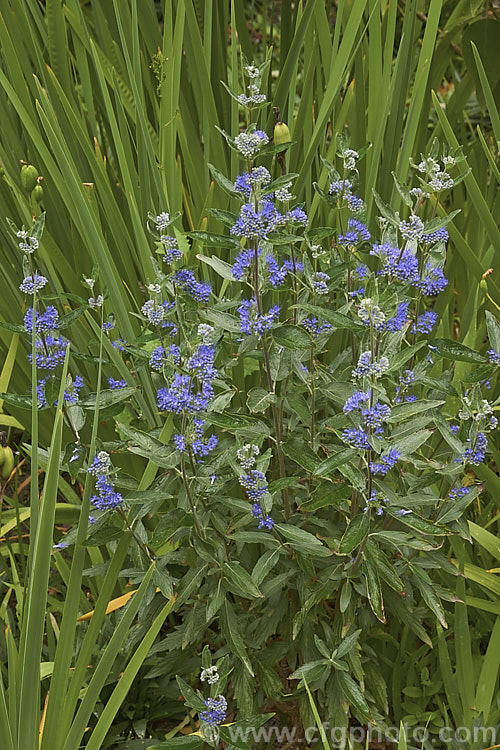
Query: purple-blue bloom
x=356 y=234
x=433 y=282
x=254 y=483
x=315 y=327
x=493 y=356
x=256 y=224
x=243 y=261
x=387 y=461
x=114 y=384
x=400 y=319
x=475 y=452
x=198 y=290
x=356 y=436
x=253 y=322
x=425 y=322
x=440 y=235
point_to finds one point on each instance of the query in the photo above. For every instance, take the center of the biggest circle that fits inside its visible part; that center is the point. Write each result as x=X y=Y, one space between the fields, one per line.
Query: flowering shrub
x=301 y=499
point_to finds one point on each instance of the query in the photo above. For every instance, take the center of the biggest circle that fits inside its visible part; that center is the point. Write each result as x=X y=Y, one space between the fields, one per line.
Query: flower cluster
x=32 y=284
x=254 y=483
x=50 y=349
x=249 y=143
x=198 y=290
x=254 y=322
x=216 y=713
x=106 y=498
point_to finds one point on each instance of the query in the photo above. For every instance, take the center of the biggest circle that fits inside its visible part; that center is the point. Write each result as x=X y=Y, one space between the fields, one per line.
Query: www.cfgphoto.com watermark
x=341 y=738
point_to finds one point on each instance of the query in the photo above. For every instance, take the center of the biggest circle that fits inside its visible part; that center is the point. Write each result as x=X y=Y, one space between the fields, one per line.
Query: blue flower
x=425 y=322
x=412 y=229
x=170 y=248
x=198 y=290
x=475 y=453
x=296 y=216
x=216 y=713
x=106 y=497
x=114 y=384
x=376 y=416
x=402 y=264
x=44 y=322
x=248 y=144
x=253 y=322
x=315 y=327
x=356 y=401
x=256 y=224
x=33 y=283
x=265 y=522
x=341 y=187
x=319 y=282
x=459 y=492
x=387 y=461
x=434 y=281
x=493 y=356
x=357 y=437
x=356 y=234
x=440 y=235
x=277 y=275
x=50 y=352
x=243 y=261
x=400 y=319
x=180 y=443
x=254 y=483
x=181 y=396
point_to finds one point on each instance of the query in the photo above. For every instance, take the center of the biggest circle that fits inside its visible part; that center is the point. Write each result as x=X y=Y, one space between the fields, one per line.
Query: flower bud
x=38 y=193
x=483 y=286
x=8 y=462
x=29 y=177
x=281 y=134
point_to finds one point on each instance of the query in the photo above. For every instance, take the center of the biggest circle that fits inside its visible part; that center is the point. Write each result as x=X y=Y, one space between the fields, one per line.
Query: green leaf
x=408 y=445
x=222 y=319
x=193 y=700
x=302 y=540
x=333 y=462
x=258 y=399
x=456 y=351
x=220 y=266
x=215 y=240
x=386 y=211
x=22 y=402
x=239 y=422
x=417 y=523
x=428 y=592
x=493 y=328
x=352 y=692
x=301 y=453
x=337 y=320
x=354 y=534
x=291 y=337
x=374 y=589
x=239 y=581
x=400 y=412
x=103 y=536
x=226 y=185
x=331 y=494
x=189 y=742
x=233 y=635
x=106 y=398
x=379 y=560
x=67 y=320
